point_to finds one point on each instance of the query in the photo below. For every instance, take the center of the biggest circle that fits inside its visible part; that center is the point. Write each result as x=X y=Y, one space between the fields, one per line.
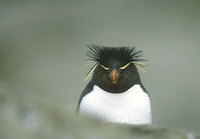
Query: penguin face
x=115 y=67
x=116 y=77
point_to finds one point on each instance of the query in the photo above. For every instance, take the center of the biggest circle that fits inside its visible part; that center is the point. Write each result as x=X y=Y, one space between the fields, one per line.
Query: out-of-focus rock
x=25 y=116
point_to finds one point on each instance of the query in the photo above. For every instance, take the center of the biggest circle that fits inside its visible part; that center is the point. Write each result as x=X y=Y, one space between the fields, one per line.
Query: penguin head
x=114 y=68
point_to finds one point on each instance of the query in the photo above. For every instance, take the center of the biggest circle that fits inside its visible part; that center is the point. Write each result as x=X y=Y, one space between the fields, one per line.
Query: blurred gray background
x=43 y=46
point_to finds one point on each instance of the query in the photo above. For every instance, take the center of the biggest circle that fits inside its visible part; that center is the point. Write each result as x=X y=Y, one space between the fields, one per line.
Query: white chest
x=130 y=107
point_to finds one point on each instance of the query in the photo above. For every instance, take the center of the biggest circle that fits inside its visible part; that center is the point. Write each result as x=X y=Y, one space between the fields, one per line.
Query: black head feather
x=100 y=54
x=106 y=55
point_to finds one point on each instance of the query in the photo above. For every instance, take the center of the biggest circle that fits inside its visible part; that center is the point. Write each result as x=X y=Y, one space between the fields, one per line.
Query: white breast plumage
x=130 y=107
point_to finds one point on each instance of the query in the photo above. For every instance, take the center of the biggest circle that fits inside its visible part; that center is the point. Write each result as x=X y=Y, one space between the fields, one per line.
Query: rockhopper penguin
x=115 y=92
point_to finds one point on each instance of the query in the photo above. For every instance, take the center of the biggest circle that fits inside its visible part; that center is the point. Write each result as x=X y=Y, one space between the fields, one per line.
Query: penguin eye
x=125 y=66
x=104 y=67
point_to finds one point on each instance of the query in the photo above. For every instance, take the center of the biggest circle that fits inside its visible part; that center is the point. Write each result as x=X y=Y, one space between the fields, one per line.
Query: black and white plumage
x=115 y=92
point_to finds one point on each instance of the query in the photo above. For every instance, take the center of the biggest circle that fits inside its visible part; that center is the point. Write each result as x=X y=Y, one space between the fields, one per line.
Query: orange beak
x=114 y=76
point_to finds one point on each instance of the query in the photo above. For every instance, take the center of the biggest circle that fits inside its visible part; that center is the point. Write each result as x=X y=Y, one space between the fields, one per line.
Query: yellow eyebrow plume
x=104 y=67
x=142 y=65
x=91 y=71
x=125 y=66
